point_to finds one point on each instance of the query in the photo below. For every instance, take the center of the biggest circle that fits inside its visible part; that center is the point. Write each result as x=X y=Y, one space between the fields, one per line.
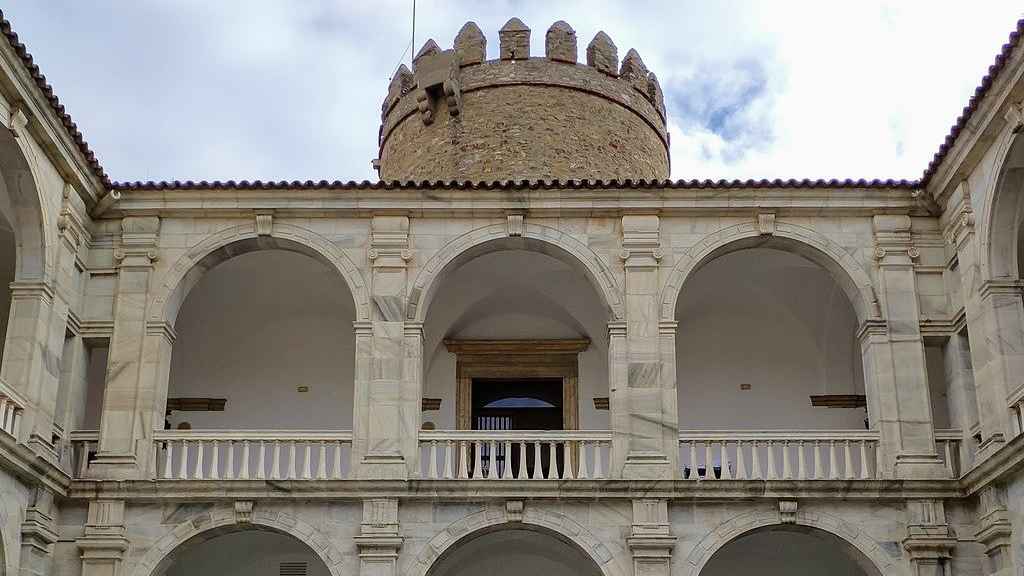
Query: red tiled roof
x=506 y=184
x=58 y=108
x=972 y=105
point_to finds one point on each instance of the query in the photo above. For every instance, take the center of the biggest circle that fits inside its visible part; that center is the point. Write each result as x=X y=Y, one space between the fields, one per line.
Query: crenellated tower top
x=458 y=116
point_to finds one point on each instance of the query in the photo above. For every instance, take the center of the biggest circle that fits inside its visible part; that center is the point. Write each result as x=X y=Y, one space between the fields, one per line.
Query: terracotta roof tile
x=58 y=108
x=972 y=104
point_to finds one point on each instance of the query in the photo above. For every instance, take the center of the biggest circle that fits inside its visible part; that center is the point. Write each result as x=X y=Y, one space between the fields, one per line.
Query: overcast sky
x=291 y=89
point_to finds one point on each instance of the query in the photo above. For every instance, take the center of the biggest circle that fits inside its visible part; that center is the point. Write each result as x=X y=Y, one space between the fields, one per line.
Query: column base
x=114 y=467
x=383 y=466
x=648 y=466
x=920 y=467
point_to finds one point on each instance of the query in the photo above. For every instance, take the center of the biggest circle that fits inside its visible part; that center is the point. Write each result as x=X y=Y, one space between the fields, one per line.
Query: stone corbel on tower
x=436 y=73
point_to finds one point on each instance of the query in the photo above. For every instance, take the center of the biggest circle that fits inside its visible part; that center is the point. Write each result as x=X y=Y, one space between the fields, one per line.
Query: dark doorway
x=519 y=404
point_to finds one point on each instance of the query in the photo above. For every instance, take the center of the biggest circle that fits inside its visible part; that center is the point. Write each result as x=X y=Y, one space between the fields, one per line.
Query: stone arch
x=843 y=267
x=1003 y=210
x=20 y=179
x=492 y=518
x=495 y=237
x=224 y=520
x=190 y=267
x=748 y=522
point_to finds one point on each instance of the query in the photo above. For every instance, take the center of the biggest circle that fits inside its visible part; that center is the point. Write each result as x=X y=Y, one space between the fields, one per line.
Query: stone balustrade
x=11 y=410
x=947 y=444
x=514 y=454
x=778 y=454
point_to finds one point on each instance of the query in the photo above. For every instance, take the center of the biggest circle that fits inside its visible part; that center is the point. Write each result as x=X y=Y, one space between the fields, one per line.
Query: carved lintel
x=243 y=511
x=787 y=511
x=264 y=223
x=766 y=223
x=515 y=225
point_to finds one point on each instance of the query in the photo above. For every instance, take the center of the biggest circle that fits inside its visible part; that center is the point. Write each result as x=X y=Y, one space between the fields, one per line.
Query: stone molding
x=173 y=277
x=856 y=283
x=497 y=515
x=225 y=516
x=729 y=530
x=986 y=223
x=433 y=271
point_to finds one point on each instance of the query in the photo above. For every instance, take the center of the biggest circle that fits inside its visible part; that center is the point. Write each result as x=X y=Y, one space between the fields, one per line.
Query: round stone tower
x=459 y=116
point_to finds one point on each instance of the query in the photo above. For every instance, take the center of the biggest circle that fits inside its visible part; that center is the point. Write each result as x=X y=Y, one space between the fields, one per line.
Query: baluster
x=3 y=415
x=183 y=465
x=694 y=474
x=709 y=465
x=567 y=460
x=291 y=460
x=83 y=462
x=847 y=461
x=478 y=462
x=261 y=460
x=598 y=459
x=553 y=461
x=833 y=461
x=229 y=467
x=463 y=460
x=306 y=472
x=865 y=473
x=741 y=462
x=755 y=461
x=198 y=472
x=336 y=469
x=321 y=462
x=506 y=471
x=583 y=473
x=947 y=447
x=492 y=461
x=521 y=473
x=153 y=462
x=772 y=473
x=801 y=461
x=538 y=469
x=275 y=460
x=243 y=472
x=787 y=467
x=16 y=423
x=448 y=459
x=214 y=460
x=432 y=466
x=168 y=452
x=726 y=474
x=819 y=467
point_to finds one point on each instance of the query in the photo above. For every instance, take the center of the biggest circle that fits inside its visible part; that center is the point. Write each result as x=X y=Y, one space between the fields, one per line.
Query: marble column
x=650 y=540
x=126 y=424
x=388 y=363
x=103 y=544
x=895 y=361
x=645 y=428
x=930 y=541
x=38 y=535
x=995 y=321
x=962 y=398
x=378 y=541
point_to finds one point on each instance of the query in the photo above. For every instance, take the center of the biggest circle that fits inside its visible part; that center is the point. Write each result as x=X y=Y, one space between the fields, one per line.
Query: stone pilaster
x=103 y=544
x=388 y=362
x=38 y=535
x=650 y=539
x=127 y=423
x=929 y=541
x=378 y=540
x=995 y=530
x=995 y=317
x=645 y=425
x=894 y=365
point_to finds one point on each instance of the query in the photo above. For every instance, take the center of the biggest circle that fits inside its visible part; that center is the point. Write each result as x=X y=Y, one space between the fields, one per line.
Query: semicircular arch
x=186 y=272
x=35 y=242
x=494 y=238
x=487 y=520
x=205 y=526
x=1003 y=210
x=847 y=533
x=845 y=270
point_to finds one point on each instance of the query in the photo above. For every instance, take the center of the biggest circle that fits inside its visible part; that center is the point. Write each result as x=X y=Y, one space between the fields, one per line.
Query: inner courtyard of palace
x=524 y=350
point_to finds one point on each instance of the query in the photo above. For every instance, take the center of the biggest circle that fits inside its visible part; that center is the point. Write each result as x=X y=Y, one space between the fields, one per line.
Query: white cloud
x=280 y=89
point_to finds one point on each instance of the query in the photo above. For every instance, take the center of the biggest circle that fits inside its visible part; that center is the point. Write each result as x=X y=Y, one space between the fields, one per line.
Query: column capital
x=617 y=329
x=641 y=241
x=894 y=245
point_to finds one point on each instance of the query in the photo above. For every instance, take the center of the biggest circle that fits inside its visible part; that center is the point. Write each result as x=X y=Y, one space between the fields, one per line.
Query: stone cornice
x=32 y=469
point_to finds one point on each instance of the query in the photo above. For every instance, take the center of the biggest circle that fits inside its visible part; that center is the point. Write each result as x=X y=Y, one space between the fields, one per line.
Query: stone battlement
x=457 y=115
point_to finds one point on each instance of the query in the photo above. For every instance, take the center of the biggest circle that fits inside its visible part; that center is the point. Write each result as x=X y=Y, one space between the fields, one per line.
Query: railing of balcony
x=947 y=443
x=11 y=409
x=514 y=454
x=778 y=454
